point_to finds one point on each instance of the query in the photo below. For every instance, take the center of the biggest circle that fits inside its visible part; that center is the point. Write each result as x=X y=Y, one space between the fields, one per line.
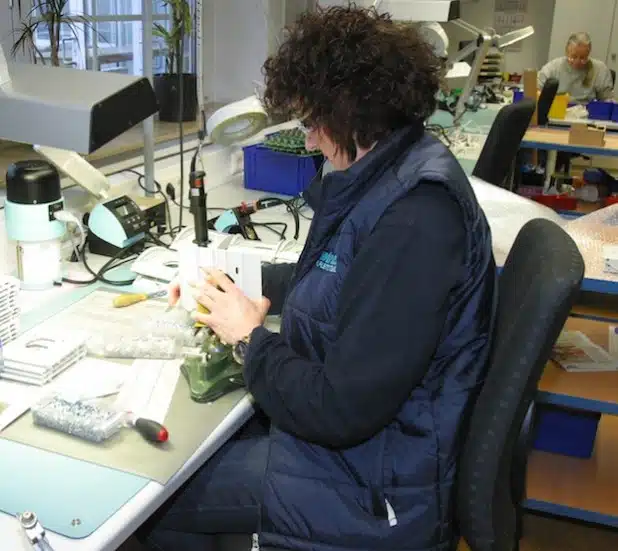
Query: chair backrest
x=546 y=98
x=502 y=144
x=537 y=288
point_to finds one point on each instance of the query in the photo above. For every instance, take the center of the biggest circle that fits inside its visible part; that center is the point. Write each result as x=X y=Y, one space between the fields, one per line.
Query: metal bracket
x=34 y=531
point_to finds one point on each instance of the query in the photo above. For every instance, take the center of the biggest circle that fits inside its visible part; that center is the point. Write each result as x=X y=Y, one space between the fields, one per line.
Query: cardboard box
x=582 y=134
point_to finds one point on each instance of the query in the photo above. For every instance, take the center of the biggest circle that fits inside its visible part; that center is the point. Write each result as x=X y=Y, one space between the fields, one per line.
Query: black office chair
x=537 y=288
x=546 y=98
x=500 y=150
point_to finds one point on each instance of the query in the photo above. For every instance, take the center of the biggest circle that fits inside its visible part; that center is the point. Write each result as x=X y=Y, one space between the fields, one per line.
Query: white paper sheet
x=88 y=378
x=149 y=389
x=96 y=314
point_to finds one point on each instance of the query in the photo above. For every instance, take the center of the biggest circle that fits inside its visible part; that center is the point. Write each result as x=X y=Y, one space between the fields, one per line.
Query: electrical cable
x=109 y=265
x=269 y=226
x=159 y=189
x=267 y=202
x=156 y=240
x=181 y=108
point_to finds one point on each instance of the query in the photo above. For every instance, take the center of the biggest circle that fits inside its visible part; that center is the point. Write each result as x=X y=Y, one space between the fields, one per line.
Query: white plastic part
x=77 y=168
x=507 y=213
x=237 y=121
x=39 y=264
x=244 y=267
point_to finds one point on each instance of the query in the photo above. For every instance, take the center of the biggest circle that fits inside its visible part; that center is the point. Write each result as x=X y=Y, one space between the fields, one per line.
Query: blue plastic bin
x=566 y=432
x=600 y=110
x=275 y=172
x=518 y=95
x=615 y=112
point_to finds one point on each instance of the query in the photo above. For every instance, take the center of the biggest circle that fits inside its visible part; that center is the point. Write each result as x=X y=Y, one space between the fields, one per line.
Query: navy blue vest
x=395 y=491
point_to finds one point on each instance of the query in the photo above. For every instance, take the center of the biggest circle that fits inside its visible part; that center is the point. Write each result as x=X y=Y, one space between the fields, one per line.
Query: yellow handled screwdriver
x=128 y=299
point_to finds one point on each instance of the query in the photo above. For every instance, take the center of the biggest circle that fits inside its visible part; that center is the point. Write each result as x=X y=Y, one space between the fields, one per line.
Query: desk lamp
x=65 y=112
x=430 y=13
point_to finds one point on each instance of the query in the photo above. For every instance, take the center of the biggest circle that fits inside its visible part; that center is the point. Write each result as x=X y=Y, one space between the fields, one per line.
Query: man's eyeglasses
x=574 y=59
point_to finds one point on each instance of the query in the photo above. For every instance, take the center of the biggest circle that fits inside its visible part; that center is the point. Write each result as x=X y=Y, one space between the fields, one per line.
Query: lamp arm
x=467 y=26
x=466 y=51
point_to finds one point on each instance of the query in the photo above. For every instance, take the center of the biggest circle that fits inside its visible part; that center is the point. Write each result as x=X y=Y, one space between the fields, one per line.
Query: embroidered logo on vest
x=327 y=262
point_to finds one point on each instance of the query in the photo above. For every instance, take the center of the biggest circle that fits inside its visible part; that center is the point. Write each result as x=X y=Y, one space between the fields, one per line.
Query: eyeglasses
x=574 y=59
x=306 y=125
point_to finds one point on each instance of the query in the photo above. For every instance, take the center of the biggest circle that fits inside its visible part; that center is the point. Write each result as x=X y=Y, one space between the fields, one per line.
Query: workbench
x=57 y=487
x=583 y=489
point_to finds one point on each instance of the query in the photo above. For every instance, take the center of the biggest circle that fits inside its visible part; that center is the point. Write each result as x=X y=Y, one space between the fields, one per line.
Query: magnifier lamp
x=430 y=13
x=230 y=125
x=64 y=112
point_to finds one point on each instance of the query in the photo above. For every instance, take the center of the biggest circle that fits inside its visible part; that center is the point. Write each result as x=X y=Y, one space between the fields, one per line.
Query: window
x=111 y=40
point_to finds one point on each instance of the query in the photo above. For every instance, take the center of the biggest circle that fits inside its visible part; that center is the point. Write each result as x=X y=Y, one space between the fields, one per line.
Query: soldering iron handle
x=198 y=207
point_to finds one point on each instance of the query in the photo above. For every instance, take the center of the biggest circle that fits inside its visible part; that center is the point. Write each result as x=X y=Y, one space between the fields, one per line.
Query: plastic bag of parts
x=177 y=324
x=211 y=371
x=507 y=213
x=161 y=338
x=143 y=346
x=591 y=233
x=77 y=418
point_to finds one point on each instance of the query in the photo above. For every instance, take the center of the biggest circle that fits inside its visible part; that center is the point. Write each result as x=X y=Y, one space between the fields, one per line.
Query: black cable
x=159 y=190
x=441 y=130
x=181 y=108
x=109 y=265
x=269 y=226
x=267 y=202
x=156 y=240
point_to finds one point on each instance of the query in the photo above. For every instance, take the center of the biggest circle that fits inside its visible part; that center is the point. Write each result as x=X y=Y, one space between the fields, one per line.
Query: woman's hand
x=232 y=315
x=173 y=293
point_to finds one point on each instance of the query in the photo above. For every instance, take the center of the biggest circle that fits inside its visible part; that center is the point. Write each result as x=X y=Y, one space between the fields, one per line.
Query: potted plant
x=52 y=16
x=167 y=85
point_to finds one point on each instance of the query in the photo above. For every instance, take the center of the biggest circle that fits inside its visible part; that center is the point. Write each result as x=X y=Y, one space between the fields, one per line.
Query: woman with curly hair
x=386 y=318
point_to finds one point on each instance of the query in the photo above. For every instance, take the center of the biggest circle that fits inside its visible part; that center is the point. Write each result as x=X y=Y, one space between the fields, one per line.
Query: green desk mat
x=73 y=497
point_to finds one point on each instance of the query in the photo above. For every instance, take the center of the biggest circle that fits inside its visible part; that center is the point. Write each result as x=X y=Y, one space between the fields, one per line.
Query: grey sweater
x=599 y=85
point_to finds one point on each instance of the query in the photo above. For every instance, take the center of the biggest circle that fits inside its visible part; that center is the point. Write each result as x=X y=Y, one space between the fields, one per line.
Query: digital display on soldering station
x=122 y=210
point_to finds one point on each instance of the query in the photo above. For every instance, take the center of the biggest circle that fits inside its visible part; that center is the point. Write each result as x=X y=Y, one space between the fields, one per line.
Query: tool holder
x=212 y=372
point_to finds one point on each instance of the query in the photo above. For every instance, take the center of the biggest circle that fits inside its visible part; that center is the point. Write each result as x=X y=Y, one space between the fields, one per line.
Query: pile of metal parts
x=9 y=309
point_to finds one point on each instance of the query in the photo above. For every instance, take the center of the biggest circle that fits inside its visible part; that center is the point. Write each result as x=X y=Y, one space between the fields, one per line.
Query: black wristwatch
x=239 y=350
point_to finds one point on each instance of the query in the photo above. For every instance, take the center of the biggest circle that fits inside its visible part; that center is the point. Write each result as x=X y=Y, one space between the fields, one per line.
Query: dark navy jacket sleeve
x=275 y=284
x=392 y=308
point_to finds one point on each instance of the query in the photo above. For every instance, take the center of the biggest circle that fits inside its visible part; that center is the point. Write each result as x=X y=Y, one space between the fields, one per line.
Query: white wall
x=238 y=35
x=6 y=34
x=570 y=18
x=534 y=50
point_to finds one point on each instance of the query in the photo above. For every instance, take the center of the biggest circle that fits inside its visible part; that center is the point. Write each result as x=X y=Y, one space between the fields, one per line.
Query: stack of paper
x=574 y=351
x=9 y=309
x=37 y=357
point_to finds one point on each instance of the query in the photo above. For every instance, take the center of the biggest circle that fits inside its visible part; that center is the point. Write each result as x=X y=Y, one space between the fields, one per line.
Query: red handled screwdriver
x=150 y=430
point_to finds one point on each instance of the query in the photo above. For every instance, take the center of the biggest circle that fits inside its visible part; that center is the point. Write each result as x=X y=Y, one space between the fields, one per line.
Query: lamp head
x=68 y=108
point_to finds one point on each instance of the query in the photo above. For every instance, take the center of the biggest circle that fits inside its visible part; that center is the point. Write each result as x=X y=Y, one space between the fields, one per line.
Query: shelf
x=587 y=391
x=596 y=306
x=584 y=489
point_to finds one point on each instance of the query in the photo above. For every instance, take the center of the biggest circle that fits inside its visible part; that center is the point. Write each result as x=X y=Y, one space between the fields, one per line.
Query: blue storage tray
x=565 y=431
x=276 y=172
x=600 y=110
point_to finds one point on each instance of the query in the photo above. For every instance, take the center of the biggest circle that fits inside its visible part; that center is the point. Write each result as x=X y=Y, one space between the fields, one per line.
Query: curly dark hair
x=357 y=74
